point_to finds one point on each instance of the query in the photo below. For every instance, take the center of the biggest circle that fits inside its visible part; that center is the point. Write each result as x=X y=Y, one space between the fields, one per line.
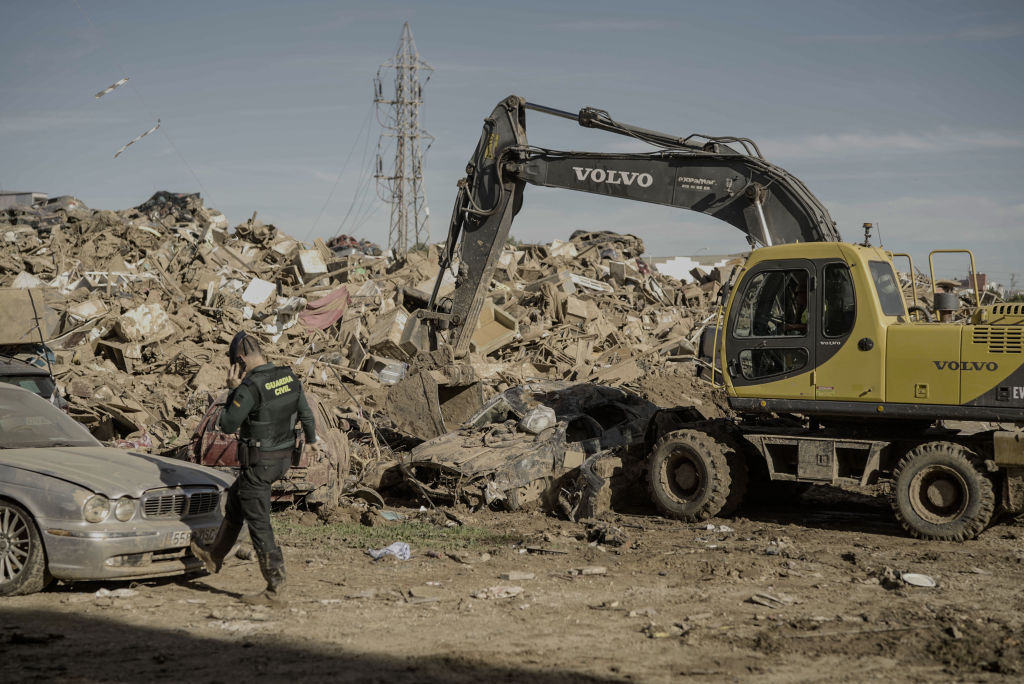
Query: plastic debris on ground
x=399 y=550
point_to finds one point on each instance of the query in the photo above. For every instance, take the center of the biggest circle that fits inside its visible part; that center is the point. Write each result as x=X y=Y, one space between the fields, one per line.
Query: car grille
x=179 y=503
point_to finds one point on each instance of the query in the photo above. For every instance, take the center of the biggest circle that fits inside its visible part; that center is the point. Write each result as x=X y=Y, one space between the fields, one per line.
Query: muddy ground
x=810 y=592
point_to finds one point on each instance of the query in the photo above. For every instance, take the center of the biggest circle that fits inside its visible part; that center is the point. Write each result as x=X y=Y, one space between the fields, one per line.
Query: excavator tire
x=736 y=457
x=940 y=493
x=739 y=481
x=688 y=475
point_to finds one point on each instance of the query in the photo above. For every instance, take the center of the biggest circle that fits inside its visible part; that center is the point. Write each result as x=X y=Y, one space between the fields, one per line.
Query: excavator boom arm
x=770 y=206
x=707 y=175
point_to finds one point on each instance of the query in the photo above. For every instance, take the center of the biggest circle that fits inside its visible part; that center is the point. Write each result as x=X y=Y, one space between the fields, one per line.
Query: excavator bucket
x=428 y=404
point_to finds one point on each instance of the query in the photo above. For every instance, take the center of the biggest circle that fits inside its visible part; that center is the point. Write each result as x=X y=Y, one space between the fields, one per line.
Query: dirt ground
x=809 y=592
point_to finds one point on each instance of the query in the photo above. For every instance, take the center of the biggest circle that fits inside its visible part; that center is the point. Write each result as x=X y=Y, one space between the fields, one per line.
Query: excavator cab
x=855 y=352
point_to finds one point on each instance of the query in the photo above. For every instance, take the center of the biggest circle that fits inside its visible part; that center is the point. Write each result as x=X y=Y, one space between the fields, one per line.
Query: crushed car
x=72 y=509
x=516 y=449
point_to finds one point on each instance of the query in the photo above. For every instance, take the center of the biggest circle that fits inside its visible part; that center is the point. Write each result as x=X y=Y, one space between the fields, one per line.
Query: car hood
x=466 y=453
x=111 y=472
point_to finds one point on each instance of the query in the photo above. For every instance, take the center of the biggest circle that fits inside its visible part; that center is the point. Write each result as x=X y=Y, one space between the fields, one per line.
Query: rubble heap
x=140 y=306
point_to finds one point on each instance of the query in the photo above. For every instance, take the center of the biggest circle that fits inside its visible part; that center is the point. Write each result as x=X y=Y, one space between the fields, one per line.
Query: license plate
x=184 y=537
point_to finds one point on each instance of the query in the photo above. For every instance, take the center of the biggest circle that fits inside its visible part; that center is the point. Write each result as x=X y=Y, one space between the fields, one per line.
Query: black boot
x=272 y=567
x=213 y=555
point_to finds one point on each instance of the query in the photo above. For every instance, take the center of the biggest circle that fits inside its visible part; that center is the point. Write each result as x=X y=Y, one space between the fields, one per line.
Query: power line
x=362 y=186
x=355 y=143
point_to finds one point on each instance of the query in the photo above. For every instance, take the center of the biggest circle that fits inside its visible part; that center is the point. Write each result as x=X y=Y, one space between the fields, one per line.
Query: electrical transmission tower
x=402 y=186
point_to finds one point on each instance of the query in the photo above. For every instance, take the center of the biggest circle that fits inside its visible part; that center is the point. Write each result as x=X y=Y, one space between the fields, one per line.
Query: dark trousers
x=249 y=498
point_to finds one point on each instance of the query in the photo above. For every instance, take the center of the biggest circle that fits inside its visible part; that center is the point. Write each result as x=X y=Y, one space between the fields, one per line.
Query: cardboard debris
x=311 y=262
x=495 y=330
x=386 y=334
x=258 y=292
x=28 y=316
x=138 y=307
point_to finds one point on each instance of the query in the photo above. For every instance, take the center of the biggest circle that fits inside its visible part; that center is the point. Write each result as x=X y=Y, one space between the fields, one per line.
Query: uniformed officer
x=263 y=406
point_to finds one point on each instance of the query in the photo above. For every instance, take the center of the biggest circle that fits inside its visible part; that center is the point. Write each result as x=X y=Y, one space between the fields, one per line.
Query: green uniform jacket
x=264 y=409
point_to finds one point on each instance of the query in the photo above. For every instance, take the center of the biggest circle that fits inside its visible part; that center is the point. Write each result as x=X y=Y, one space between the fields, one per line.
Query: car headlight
x=96 y=508
x=124 y=509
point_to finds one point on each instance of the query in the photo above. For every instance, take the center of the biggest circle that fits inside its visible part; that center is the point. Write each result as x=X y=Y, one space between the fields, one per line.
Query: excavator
x=830 y=378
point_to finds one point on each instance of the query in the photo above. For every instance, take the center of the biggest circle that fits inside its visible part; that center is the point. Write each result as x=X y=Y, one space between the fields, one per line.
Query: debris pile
x=138 y=307
x=589 y=309
x=952 y=303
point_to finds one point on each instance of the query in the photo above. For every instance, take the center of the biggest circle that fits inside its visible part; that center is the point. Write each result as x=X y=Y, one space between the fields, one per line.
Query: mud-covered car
x=72 y=509
x=34 y=377
x=317 y=477
x=516 y=447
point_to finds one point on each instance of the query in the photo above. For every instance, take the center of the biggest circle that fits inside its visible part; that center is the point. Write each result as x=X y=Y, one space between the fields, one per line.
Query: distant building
x=968 y=282
x=10 y=198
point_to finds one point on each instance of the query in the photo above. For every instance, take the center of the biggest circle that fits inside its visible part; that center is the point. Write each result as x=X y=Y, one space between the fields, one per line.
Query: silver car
x=72 y=509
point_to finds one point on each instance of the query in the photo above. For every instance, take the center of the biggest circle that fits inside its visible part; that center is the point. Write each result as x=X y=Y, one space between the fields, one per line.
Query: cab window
x=774 y=305
x=763 y=363
x=839 y=308
x=888 y=289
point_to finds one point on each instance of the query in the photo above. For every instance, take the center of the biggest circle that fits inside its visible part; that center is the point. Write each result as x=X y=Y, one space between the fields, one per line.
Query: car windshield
x=27 y=420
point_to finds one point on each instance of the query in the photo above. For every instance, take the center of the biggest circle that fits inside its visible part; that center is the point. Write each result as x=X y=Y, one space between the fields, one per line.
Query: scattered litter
x=606 y=605
x=516 y=576
x=603 y=533
x=538 y=549
x=498 y=592
x=425 y=594
x=399 y=550
x=917 y=579
x=467 y=559
x=115 y=593
x=772 y=600
x=642 y=612
x=655 y=631
x=241 y=626
x=589 y=570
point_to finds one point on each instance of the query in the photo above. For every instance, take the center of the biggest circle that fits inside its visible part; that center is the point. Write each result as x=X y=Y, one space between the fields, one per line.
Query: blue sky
x=906 y=114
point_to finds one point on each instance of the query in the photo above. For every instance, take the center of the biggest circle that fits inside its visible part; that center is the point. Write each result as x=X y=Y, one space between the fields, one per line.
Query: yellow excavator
x=831 y=379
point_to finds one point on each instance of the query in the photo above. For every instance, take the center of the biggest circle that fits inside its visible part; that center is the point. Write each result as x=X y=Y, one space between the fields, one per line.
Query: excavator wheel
x=739 y=481
x=688 y=475
x=939 y=493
